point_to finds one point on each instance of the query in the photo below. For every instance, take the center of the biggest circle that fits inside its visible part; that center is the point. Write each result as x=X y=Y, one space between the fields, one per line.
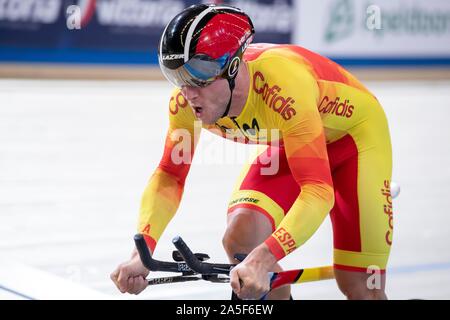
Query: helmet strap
x=231 y=84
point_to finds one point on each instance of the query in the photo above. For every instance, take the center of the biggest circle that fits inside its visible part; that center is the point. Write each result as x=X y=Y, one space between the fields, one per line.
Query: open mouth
x=198 y=111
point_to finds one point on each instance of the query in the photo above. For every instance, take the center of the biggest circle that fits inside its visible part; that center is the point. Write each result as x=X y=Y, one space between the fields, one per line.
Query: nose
x=190 y=93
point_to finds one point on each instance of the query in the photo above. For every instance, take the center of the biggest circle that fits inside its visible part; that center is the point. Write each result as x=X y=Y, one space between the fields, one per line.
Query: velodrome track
x=75 y=157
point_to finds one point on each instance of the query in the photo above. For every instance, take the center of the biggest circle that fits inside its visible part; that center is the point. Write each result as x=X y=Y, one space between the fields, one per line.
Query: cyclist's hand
x=250 y=279
x=130 y=276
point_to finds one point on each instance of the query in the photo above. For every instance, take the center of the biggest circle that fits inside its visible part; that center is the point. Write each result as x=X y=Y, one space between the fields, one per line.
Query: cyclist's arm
x=164 y=190
x=305 y=146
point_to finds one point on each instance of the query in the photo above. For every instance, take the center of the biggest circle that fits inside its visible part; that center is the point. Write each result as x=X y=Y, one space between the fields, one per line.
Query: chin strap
x=231 y=84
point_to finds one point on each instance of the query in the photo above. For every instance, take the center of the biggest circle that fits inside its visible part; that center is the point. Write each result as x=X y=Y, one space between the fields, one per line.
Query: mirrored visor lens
x=199 y=71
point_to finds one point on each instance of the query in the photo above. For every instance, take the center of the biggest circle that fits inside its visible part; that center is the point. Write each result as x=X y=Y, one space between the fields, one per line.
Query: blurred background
x=83 y=118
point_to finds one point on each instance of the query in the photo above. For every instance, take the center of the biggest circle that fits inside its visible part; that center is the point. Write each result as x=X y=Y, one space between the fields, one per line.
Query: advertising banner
x=113 y=31
x=390 y=29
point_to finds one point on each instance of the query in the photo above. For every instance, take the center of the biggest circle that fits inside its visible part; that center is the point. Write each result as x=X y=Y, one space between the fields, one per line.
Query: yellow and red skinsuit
x=327 y=135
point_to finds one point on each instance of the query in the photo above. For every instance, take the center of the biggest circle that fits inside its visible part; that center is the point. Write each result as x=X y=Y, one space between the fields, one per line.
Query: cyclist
x=325 y=149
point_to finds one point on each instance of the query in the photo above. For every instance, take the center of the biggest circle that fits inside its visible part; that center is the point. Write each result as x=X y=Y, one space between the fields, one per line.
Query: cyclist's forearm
x=159 y=204
x=303 y=219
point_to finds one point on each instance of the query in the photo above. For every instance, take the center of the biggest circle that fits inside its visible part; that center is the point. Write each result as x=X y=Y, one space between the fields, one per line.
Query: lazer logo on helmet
x=172 y=56
x=272 y=98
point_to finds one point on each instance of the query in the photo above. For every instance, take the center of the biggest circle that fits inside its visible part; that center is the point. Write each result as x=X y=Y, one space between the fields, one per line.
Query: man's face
x=208 y=103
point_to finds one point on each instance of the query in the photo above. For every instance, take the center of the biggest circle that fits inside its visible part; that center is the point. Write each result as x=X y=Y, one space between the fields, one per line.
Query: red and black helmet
x=203 y=43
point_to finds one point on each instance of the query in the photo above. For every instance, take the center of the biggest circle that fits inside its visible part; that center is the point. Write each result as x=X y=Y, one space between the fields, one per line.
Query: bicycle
x=193 y=267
